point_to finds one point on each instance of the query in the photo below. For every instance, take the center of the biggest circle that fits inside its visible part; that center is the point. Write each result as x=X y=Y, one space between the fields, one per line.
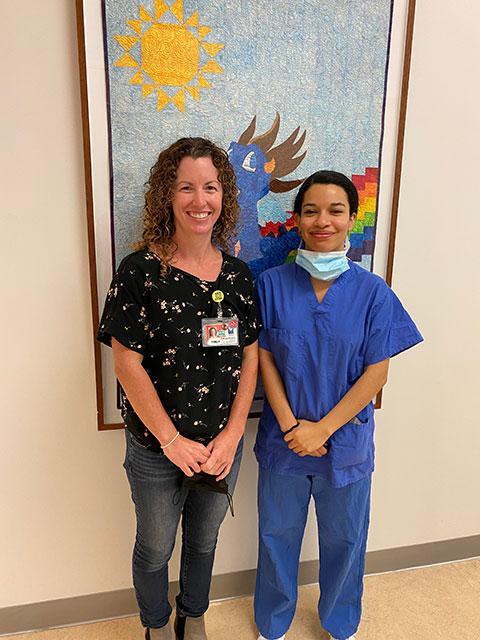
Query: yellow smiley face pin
x=217 y=296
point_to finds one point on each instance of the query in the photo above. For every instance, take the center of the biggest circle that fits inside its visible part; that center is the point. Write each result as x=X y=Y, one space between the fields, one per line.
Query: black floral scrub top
x=160 y=317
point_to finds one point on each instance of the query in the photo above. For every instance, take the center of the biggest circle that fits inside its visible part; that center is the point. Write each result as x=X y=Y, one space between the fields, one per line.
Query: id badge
x=220 y=332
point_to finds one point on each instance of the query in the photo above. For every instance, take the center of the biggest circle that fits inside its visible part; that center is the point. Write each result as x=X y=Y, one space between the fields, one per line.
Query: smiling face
x=197 y=197
x=325 y=218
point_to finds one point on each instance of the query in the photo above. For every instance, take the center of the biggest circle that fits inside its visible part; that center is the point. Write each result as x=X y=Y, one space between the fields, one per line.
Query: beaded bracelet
x=164 y=446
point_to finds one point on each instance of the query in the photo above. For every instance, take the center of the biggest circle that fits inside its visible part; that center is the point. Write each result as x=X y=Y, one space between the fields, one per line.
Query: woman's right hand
x=187 y=455
x=319 y=452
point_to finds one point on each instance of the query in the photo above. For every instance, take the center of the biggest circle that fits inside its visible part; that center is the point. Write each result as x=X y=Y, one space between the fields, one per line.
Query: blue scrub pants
x=342 y=519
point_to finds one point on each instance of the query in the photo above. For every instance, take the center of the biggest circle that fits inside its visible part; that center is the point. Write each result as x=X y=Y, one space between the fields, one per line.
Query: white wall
x=426 y=486
x=67 y=522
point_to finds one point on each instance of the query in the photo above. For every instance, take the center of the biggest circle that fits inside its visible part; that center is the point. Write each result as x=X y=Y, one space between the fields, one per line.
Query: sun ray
x=147 y=89
x=203 y=32
x=162 y=100
x=194 y=92
x=203 y=82
x=137 y=78
x=193 y=20
x=127 y=42
x=212 y=48
x=211 y=67
x=144 y=15
x=179 y=100
x=136 y=26
x=177 y=10
x=126 y=61
x=160 y=8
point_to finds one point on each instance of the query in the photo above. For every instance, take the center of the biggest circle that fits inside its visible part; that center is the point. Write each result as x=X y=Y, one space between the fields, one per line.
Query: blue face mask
x=323 y=266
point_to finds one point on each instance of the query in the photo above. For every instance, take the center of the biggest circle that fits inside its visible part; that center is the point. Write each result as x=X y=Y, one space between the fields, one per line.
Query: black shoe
x=179 y=627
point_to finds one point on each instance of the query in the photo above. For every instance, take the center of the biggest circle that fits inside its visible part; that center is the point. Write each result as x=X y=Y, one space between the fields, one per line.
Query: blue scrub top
x=320 y=350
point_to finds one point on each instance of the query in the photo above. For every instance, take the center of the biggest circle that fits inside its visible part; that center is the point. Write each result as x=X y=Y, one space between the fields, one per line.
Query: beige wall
x=67 y=524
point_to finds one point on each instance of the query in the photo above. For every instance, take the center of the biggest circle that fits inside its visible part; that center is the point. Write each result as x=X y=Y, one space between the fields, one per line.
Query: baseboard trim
x=116 y=604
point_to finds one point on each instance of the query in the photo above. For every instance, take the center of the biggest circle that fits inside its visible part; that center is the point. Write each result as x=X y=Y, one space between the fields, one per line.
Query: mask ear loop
x=230 y=503
x=230 y=499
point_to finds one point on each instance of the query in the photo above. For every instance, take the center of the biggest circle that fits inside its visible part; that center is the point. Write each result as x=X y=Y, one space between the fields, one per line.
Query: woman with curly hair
x=185 y=401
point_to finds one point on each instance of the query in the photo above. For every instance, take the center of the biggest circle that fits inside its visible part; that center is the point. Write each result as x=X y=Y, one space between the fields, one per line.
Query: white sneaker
x=349 y=638
x=260 y=637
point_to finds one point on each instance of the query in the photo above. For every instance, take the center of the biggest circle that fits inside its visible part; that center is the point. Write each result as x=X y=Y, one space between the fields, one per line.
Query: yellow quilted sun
x=166 y=53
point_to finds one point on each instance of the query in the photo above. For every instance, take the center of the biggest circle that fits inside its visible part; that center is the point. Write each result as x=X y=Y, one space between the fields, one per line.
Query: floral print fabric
x=160 y=317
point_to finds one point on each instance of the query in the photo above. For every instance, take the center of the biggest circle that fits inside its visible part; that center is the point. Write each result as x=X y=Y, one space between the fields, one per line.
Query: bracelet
x=291 y=428
x=164 y=446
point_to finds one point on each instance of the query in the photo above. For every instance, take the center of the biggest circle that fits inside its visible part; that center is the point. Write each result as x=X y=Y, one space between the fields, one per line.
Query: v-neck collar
x=329 y=298
x=193 y=276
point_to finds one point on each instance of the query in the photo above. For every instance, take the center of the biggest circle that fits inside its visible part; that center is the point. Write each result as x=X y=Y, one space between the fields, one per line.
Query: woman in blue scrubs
x=329 y=330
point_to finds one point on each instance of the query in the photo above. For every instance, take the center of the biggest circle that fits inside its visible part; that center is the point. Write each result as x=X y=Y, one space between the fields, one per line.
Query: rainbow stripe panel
x=362 y=236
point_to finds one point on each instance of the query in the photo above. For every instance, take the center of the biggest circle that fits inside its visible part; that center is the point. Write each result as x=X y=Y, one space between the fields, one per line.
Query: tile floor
x=441 y=602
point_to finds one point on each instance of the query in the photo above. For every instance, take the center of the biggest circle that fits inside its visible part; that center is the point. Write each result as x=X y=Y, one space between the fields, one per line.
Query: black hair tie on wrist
x=291 y=428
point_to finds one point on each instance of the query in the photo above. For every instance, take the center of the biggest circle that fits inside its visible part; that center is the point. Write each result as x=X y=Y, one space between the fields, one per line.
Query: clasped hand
x=308 y=439
x=222 y=451
x=193 y=457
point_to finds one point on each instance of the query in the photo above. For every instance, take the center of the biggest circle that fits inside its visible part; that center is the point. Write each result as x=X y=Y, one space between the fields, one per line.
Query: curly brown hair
x=158 y=221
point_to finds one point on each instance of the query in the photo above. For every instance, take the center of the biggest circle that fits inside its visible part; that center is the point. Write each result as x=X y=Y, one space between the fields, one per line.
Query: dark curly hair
x=158 y=221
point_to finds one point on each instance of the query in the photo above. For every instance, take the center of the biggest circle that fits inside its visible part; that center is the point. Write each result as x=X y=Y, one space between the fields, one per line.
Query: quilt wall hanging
x=286 y=87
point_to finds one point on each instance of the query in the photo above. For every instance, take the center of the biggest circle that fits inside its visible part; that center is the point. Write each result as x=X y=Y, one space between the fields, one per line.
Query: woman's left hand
x=222 y=452
x=308 y=439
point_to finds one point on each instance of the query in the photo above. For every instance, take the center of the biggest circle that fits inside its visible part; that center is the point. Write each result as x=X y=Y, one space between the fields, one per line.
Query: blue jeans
x=342 y=520
x=160 y=500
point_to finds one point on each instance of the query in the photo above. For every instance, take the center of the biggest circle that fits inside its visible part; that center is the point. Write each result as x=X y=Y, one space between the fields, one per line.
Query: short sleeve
x=124 y=315
x=251 y=318
x=390 y=329
x=262 y=303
